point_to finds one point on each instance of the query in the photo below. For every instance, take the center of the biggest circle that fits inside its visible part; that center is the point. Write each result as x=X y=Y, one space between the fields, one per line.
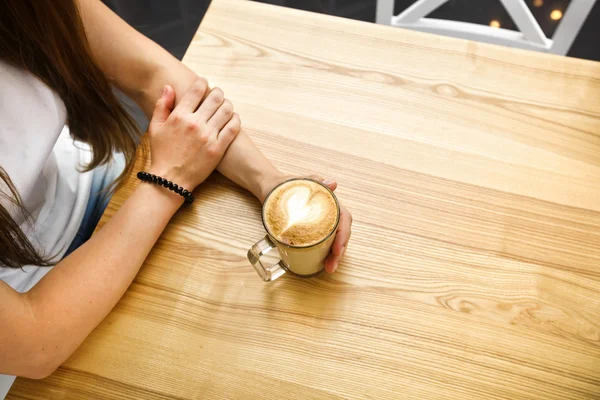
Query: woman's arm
x=140 y=68
x=41 y=328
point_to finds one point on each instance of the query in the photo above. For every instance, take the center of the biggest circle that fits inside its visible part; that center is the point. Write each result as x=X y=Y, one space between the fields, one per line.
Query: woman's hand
x=344 y=229
x=187 y=142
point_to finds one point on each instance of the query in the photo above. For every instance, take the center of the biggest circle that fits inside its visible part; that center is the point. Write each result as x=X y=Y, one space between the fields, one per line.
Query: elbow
x=40 y=372
x=42 y=366
x=36 y=351
x=41 y=354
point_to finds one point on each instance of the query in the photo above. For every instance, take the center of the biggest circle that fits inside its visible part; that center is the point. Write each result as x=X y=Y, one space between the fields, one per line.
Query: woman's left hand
x=344 y=229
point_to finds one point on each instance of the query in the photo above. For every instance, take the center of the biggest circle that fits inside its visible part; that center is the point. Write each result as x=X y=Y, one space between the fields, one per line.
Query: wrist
x=168 y=200
x=173 y=187
x=172 y=174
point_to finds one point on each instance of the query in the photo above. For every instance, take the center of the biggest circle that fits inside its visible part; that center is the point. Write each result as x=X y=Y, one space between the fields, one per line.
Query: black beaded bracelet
x=148 y=177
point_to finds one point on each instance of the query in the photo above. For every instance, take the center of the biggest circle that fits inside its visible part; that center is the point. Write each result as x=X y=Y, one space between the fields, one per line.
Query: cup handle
x=267 y=273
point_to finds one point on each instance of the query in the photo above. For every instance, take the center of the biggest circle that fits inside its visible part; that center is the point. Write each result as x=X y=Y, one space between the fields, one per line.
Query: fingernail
x=335 y=265
x=164 y=91
x=328 y=182
x=343 y=251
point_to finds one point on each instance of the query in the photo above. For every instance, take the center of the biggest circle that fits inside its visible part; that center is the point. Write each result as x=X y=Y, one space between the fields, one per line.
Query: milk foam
x=301 y=212
x=301 y=208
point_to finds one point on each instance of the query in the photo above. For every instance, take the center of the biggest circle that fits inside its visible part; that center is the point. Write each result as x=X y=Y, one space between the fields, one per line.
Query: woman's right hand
x=188 y=141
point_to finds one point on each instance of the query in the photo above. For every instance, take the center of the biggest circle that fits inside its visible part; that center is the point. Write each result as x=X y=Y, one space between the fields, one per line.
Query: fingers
x=343 y=232
x=163 y=106
x=194 y=95
x=222 y=116
x=229 y=132
x=327 y=182
x=330 y=183
x=211 y=104
x=340 y=242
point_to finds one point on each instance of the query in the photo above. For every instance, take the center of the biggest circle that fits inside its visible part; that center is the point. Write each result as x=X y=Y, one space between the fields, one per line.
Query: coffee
x=300 y=216
x=300 y=213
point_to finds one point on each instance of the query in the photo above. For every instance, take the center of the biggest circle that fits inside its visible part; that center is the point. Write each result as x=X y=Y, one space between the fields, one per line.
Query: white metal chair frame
x=530 y=36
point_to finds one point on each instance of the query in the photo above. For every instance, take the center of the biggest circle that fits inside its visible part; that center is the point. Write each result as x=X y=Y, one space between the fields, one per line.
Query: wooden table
x=473 y=173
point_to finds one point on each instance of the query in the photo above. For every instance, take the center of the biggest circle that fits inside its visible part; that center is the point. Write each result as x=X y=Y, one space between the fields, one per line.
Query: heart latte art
x=300 y=213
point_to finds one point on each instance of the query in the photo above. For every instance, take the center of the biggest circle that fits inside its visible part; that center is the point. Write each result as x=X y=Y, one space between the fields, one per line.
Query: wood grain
x=473 y=173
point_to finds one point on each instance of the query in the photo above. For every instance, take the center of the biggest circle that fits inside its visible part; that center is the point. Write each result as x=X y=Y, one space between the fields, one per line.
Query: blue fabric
x=102 y=177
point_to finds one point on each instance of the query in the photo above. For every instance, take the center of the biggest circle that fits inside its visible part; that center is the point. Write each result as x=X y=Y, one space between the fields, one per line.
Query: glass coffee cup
x=301 y=217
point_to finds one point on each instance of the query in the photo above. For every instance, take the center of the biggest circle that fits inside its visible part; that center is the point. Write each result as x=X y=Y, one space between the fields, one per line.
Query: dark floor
x=172 y=23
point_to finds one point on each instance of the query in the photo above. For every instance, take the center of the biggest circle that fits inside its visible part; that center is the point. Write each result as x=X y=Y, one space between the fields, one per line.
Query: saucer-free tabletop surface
x=473 y=174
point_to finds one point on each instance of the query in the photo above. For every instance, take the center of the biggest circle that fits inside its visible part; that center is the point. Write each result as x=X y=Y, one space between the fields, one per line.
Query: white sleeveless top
x=42 y=160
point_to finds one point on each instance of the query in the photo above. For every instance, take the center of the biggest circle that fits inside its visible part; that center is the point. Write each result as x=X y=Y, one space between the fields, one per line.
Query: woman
x=57 y=63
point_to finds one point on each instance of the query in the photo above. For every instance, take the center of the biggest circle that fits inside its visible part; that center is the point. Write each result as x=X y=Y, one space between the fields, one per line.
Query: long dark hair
x=47 y=38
